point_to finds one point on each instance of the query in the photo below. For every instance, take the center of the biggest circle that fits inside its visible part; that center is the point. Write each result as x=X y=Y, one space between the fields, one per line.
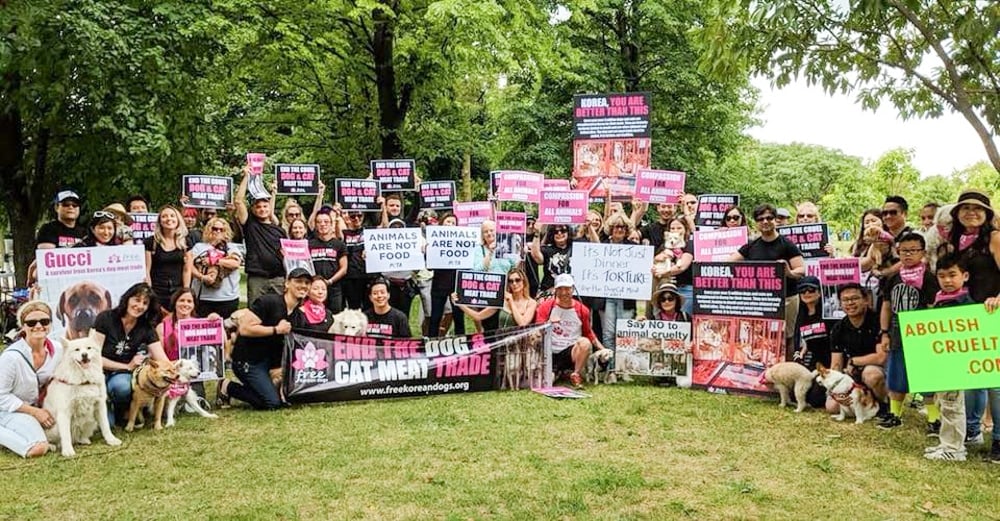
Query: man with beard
x=262 y=236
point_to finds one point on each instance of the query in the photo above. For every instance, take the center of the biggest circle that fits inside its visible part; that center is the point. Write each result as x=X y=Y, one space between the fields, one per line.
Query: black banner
x=394 y=174
x=610 y=116
x=745 y=289
x=810 y=238
x=358 y=194
x=207 y=191
x=712 y=209
x=297 y=179
x=437 y=195
x=480 y=288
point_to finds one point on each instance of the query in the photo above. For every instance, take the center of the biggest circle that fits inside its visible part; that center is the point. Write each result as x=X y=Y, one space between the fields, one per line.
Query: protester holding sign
x=385 y=321
x=329 y=259
x=812 y=332
x=167 y=255
x=182 y=302
x=262 y=236
x=215 y=270
x=442 y=286
x=571 y=337
x=483 y=259
x=673 y=259
x=356 y=281
x=518 y=306
x=553 y=253
x=618 y=228
x=853 y=345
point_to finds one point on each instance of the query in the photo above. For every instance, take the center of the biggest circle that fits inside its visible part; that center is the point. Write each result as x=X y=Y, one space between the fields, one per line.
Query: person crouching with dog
x=570 y=336
x=26 y=367
x=127 y=335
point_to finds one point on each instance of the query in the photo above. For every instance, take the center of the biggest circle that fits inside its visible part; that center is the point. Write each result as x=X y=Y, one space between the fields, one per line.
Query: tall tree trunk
x=628 y=51
x=466 y=175
x=392 y=105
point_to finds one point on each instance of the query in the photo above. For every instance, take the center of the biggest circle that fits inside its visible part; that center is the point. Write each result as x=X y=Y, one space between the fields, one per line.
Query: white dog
x=863 y=405
x=351 y=322
x=187 y=370
x=598 y=364
x=790 y=376
x=77 y=397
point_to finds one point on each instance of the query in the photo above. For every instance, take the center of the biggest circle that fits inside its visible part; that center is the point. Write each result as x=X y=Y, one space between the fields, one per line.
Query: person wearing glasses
x=215 y=270
x=518 y=306
x=854 y=345
x=782 y=216
x=807 y=212
x=618 y=228
x=103 y=231
x=65 y=230
x=483 y=259
x=894 y=216
x=262 y=236
x=667 y=304
x=26 y=367
x=552 y=253
x=733 y=217
x=355 y=284
x=329 y=258
x=812 y=332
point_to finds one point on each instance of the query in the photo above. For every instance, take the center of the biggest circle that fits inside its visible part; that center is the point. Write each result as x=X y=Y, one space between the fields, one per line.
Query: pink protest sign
x=555 y=184
x=255 y=161
x=517 y=185
x=201 y=340
x=295 y=249
x=717 y=245
x=199 y=331
x=659 y=186
x=473 y=213
x=835 y=272
x=567 y=207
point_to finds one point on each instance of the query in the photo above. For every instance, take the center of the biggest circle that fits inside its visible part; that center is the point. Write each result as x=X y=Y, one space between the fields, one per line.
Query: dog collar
x=67 y=382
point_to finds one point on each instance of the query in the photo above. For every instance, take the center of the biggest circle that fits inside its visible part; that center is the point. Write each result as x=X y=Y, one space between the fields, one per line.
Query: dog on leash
x=350 y=322
x=77 y=398
x=843 y=388
x=187 y=370
x=790 y=376
x=599 y=365
x=150 y=383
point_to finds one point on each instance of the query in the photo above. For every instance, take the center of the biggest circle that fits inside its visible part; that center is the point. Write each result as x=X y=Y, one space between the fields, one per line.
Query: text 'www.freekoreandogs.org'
x=407 y=389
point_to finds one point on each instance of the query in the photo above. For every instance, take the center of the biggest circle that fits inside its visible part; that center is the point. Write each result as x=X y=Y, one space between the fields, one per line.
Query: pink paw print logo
x=310 y=358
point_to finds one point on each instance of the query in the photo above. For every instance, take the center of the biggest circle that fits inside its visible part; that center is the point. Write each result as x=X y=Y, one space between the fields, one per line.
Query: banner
x=612 y=270
x=833 y=273
x=297 y=179
x=360 y=195
x=951 y=348
x=473 y=213
x=653 y=348
x=569 y=207
x=481 y=289
x=810 y=238
x=295 y=254
x=517 y=185
x=712 y=209
x=393 y=249
x=202 y=340
x=437 y=195
x=511 y=227
x=143 y=226
x=80 y=283
x=749 y=289
x=718 y=244
x=327 y=368
x=610 y=137
x=451 y=247
x=659 y=186
x=394 y=175
x=207 y=191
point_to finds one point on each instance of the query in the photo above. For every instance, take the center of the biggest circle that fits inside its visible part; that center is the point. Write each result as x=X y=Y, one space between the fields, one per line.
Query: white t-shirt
x=566 y=331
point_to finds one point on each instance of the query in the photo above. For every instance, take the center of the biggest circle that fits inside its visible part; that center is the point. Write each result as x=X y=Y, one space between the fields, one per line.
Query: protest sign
x=712 y=209
x=394 y=175
x=952 y=348
x=810 y=238
x=833 y=273
x=480 y=289
x=510 y=235
x=393 y=249
x=202 y=340
x=718 y=244
x=659 y=186
x=295 y=254
x=326 y=368
x=360 y=195
x=621 y=188
x=750 y=289
x=255 y=161
x=569 y=207
x=297 y=179
x=473 y=213
x=555 y=184
x=207 y=191
x=612 y=270
x=610 y=137
x=79 y=283
x=143 y=226
x=437 y=195
x=653 y=347
x=451 y=247
x=517 y=185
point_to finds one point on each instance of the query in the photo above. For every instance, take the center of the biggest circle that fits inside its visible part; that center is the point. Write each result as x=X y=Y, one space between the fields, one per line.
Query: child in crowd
x=913 y=287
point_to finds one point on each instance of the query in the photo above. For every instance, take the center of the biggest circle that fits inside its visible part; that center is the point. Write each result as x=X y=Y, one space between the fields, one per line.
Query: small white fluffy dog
x=790 y=376
x=77 y=397
x=351 y=322
x=598 y=364
x=186 y=371
x=863 y=404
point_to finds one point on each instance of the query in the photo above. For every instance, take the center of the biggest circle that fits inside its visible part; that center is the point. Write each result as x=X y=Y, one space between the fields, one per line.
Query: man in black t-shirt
x=65 y=231
x=652 y=233
x=262 y=237
x=854 y=343
x=385 y=321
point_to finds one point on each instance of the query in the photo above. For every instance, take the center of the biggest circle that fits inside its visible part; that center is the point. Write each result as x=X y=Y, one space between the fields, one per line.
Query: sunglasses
x=218 y=229
x=734 y=218
x=515 y=280
x=890 y=212
x=34 y=322
x=668 y=298
x=620 y=227
x=764 y=218
x=561 y=230
x=808 y=290
x=807 y=215
x=354 y=215
x=69 y=205
x=104 y=215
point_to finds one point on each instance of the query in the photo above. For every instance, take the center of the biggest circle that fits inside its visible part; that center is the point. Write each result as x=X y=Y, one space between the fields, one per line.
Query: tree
x=922 y=56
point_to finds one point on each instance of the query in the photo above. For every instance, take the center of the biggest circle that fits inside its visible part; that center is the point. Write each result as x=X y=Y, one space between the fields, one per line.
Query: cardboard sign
x=569 y=207
x=612 y=270
x=360 y=195
x=951 y=348
x=256 y=162
x=621 y=188
x=393 y=249
x=394 y=175
x=517 y=185
x=810 y=238
x=295 y=254
x=712 y=209
x=653 y=348
x=510 y=235
x=718 y=244
x=473 y=213
x=451 y=247
x=202 y=340
x=207 y=191
x=480 y=289
x=747 y=289
x=659 y=186
x=297 y=179
x=436 y=195
x=143 y=226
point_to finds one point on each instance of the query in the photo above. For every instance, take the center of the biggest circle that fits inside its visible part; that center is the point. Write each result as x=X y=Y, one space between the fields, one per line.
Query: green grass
x=630 y=452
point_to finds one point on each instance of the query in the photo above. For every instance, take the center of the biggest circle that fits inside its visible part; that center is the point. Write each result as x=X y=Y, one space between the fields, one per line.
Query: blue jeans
x=975 y=406
x=20 y=432
x=119 y=395
x=614 y=308
x=254 y=387
x=687 y=293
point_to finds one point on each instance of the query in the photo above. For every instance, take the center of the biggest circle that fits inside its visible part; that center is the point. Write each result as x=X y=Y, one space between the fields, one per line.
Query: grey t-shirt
x=230 y=287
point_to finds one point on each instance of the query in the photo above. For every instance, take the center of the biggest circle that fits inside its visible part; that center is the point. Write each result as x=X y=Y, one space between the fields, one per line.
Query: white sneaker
x=935 y=448
x=946 y=455
x=975 y=440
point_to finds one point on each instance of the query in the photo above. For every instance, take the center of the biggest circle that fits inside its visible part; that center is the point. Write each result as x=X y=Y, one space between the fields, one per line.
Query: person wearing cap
x=260 y=343
x=102 y=232
x=781 y=217
x=66 y=230
x=385 y=321
x=123 y=222
x=667 y=305
x=570 y=337
x=812 y=331
x=262 y=236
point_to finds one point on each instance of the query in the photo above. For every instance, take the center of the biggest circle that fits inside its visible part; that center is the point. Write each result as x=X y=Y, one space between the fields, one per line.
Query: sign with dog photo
x=653 y=348
x=202 y=340
x=80 y=283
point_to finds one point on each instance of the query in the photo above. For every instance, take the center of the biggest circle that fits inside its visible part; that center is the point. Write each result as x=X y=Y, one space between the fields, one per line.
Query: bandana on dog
x=913 y=277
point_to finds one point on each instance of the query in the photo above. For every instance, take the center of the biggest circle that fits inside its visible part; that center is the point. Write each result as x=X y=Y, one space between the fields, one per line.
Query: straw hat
x=973 y=197
x=119 y=210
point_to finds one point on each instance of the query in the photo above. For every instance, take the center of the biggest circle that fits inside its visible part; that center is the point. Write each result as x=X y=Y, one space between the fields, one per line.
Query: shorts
x=895 y=372
x=563 y=360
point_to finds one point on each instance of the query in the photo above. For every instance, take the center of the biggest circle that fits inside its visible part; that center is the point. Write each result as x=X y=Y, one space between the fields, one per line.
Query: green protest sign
x=951 y=349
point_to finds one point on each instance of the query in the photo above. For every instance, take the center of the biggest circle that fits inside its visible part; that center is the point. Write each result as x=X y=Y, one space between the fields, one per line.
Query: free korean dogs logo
x=310 y=364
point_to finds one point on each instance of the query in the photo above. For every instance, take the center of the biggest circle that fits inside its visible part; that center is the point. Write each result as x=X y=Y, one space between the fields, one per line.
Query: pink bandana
x=178 y=389
x=967 y=239
x=913 y=277
x=315 y=313
x=945 y=296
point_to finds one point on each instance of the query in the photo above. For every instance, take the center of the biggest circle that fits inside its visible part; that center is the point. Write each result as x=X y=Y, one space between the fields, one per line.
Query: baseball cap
x=564 y=281
x=808 y=282
x=783 y=212
x=299 y=273
x=67 y=195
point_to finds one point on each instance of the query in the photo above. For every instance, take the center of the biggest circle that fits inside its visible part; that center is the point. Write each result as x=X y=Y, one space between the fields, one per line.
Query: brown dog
x=79 y=306
x=150 y=381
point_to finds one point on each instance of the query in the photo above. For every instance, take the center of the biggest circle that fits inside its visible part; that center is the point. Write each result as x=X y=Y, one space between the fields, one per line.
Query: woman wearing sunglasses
x=666 y=305
x=215 y=270
x=618 y=228
x=518 y=306
x=552 y=253
x=25 y=369
x=733 y=218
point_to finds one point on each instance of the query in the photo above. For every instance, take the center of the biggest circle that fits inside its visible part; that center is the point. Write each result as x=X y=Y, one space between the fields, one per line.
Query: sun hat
x=119 y=210
x=973 y=197
x=668 y=287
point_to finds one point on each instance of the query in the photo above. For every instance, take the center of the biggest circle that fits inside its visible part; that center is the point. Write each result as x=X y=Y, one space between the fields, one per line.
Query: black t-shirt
x=776 y=250
x=685 y=278
x=814 y=332
x=555 y=262
x=270 y=308
x=263 y=244
x=855 y=341
x=326 y=256
x=62 y=236
x=902 y=297
x=167 y=270
x=354 y=246
x=393 y=324
x=654 y=234
x=299 y=321
x=118 y=345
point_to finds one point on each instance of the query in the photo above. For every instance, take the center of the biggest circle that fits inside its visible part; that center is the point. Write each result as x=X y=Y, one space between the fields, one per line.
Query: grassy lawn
x=631 y=452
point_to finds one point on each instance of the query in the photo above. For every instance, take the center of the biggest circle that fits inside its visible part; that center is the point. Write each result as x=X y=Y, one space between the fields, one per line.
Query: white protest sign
x=612 y=270
x=451 y=247
x=393 y=249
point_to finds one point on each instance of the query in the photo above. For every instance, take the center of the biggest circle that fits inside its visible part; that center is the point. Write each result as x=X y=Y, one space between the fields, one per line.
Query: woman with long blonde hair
x=167 y=254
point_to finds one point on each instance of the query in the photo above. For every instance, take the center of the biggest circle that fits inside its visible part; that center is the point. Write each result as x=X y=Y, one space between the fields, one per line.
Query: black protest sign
x=360 y=195
x=437 y=195
x=810 y=238
x=297 y=179
x=207 y=191
x=481 y=289
x=394 y=174
x=712 y=209
x=743 y=289
x=609 y=116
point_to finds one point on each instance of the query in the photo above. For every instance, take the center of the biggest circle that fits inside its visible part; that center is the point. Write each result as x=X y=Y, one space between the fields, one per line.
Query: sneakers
x=934 y=448
x=934 y=429
x=883 y=412
x=946 y=455
x=576 y=380
x=917 y=402
x=890 y=423
x=974 y=440
x=995 y=452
